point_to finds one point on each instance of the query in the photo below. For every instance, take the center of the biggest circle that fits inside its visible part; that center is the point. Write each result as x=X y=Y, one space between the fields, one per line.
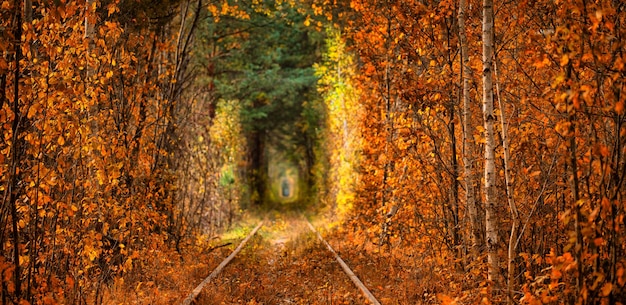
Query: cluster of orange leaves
x=89 y=138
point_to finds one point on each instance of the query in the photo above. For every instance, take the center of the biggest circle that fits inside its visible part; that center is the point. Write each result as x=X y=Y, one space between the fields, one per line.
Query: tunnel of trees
x=264 y=62
x=468 y=151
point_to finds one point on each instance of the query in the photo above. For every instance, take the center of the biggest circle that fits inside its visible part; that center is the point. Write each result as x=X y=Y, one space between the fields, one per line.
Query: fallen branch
x=217 y=247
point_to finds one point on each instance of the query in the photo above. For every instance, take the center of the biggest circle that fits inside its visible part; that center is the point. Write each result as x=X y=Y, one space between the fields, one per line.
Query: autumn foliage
x=557 y=82
x=472 y=151
x=91 y=103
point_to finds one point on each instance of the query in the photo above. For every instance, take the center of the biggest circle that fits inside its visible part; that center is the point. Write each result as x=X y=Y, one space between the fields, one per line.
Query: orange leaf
x=619 y=107
x=564 y=60
x=606 y=289
x=446 y=300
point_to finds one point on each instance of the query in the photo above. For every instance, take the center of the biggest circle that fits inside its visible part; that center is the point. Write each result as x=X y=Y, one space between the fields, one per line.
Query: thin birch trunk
x=468 y=131
x=491 y=219
x=509 y=190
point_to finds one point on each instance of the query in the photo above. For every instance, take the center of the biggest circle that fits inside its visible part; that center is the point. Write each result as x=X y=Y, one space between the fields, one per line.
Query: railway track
x=320 y=265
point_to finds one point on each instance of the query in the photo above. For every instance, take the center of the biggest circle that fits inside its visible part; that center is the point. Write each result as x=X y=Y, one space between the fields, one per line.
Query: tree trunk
x=509 y=190
x=257 y=166
x=11 y=190
x=468 y=132
x=574 y=181
x=454 y=196
x=28 y=11
x=491 y=219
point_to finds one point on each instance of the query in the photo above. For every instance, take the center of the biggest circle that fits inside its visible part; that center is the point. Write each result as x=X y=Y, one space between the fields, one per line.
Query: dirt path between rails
x=283 y=264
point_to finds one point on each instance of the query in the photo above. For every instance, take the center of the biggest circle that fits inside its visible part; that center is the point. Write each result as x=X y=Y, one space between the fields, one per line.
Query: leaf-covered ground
x=283 y=264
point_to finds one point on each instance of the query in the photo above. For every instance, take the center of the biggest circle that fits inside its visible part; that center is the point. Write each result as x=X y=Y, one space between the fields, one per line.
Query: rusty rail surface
x=345 y=268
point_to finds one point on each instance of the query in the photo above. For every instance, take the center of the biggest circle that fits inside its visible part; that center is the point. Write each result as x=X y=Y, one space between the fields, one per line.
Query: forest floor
x=283 y=264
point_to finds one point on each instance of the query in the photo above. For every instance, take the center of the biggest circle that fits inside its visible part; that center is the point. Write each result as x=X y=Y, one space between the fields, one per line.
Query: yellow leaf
x=606 y=289
x=128 y=264
x=564 y=60
x=91 y=252
x=100 y=176
x=111 y=9
x=599 y=15
x=32 y=111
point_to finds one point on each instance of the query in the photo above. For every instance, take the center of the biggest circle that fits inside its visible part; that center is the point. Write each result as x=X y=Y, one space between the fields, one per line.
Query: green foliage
x=261 y=54
x=227 y=178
